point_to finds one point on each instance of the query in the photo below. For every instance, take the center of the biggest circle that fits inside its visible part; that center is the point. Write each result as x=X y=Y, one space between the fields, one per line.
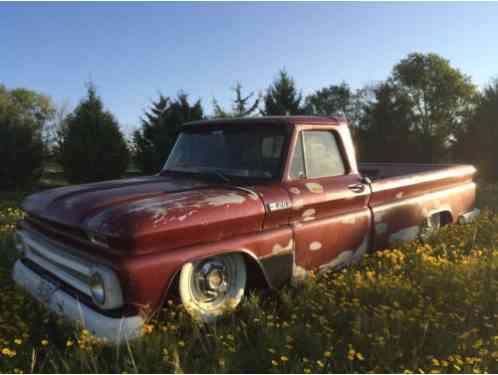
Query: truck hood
x=152 y=213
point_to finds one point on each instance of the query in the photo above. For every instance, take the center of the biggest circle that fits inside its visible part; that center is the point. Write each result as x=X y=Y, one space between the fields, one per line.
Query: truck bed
x=404 y=194
x=378 y=171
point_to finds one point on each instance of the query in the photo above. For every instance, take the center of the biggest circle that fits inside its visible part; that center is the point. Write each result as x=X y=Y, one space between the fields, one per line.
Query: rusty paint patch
x=349 y=220
x=298 y=204
x=225 y=199
x=277 y=248
x=399 y=195
x=406 y=234
x=295 y=190
x=309 y=212
x=314 y=187
x=299 y=273
x=315 y=246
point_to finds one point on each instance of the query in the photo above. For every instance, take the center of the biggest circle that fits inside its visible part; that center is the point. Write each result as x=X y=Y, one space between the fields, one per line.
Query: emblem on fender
x=276 y=206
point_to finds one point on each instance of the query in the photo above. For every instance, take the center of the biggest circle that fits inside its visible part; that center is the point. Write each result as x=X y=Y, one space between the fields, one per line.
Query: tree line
x=425 y=111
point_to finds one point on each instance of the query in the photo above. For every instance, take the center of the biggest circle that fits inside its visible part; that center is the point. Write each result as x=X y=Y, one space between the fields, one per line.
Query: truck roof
x=285 y=120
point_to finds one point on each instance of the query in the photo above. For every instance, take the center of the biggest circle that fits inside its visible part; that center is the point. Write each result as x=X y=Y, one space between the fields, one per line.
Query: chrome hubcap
x=210 y=281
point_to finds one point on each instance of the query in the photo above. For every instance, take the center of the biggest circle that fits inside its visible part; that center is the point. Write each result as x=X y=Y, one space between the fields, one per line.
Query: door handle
x=356 y=188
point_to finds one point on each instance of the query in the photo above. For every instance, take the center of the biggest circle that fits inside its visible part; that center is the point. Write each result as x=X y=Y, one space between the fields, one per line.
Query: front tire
x=213 y=286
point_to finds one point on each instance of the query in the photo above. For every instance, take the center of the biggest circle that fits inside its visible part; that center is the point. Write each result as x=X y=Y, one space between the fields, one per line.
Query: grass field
x=417 y=308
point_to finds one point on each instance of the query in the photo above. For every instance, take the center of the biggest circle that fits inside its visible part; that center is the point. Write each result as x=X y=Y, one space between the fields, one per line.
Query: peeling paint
x=297 y=204
x=360 y=250
x=349 y=220
x=315 y=246
x=314 y=187
x=225 y=199
x=399 y=195
x=277 y=248
x=341 y=260
x=309 y=212
x=406 y=234
x=158 y=214
x=299 y=273
x=295 y=190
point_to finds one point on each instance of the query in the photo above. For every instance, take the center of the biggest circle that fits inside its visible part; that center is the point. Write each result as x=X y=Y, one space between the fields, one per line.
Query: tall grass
x=420 y=307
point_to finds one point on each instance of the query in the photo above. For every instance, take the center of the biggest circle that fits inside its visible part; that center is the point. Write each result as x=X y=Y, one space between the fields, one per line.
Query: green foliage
x=477 y=142
x=160 y=127
x=91 y=146
x=240 y=107
x=385 y=133
x=440 y=98
x=282 y=97
x=335 y=100
x=23 y=116
x=420 y=307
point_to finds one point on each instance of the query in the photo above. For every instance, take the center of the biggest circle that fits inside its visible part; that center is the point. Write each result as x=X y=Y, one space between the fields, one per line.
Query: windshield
x=237 y=152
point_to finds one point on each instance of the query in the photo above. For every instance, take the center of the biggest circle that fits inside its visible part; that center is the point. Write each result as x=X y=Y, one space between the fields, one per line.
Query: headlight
x=97 y=288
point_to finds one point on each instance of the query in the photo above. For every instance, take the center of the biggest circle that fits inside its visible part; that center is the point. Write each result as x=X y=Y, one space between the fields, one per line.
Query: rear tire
x=213 y=286
x=430 y=226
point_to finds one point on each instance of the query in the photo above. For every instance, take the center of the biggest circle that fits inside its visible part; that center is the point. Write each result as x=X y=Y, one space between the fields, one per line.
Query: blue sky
x=132 y=51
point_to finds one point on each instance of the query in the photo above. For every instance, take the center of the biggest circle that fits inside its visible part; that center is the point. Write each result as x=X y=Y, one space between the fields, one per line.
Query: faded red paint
x=157 y=224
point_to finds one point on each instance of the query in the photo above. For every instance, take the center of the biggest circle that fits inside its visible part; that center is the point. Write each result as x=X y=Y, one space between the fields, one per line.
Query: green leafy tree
x=241 y=106
x=339 y=100
x=282 y=97
x=440 y=98
x=477 y=142
x=91 y=145
x=23 y=116
x=159 y=129
x=386 y=130
x=335 y=100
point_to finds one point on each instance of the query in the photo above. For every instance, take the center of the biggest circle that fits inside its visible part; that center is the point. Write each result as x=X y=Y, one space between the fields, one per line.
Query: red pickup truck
x=239 y=203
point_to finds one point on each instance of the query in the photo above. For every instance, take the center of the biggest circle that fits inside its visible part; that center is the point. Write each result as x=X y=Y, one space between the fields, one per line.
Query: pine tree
x=240 y=106
x=159 y=129
x=92 y=147
x=282 y=97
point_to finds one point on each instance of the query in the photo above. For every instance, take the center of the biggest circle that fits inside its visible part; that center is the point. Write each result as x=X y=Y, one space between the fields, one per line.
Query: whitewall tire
x=213 y=286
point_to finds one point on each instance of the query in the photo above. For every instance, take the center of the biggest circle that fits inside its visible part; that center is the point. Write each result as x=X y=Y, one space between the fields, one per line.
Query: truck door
x=330 y=215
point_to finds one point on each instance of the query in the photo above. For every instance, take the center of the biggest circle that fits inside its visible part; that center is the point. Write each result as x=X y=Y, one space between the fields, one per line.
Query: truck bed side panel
x=400 y=204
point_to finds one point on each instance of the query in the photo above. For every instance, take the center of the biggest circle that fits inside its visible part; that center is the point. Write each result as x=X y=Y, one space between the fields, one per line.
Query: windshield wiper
x=211 y=173
x=220 y=175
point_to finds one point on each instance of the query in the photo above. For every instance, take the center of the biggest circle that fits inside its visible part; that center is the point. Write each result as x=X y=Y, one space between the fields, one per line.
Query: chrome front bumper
x=115 y=330
x=469 y=217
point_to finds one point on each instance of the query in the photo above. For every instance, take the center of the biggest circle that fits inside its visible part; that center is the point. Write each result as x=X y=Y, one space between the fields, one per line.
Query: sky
x=134 y=51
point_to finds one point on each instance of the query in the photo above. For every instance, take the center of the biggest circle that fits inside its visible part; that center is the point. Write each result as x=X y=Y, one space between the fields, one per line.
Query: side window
x=297 y=164
x=323 y=157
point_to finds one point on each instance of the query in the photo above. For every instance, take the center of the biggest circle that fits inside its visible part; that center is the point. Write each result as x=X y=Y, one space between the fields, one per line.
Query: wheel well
x=446 y=218
x=255 y=279
x=255 y=276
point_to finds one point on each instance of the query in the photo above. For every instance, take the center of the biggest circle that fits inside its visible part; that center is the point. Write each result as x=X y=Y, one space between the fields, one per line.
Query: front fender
x=150 y=277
